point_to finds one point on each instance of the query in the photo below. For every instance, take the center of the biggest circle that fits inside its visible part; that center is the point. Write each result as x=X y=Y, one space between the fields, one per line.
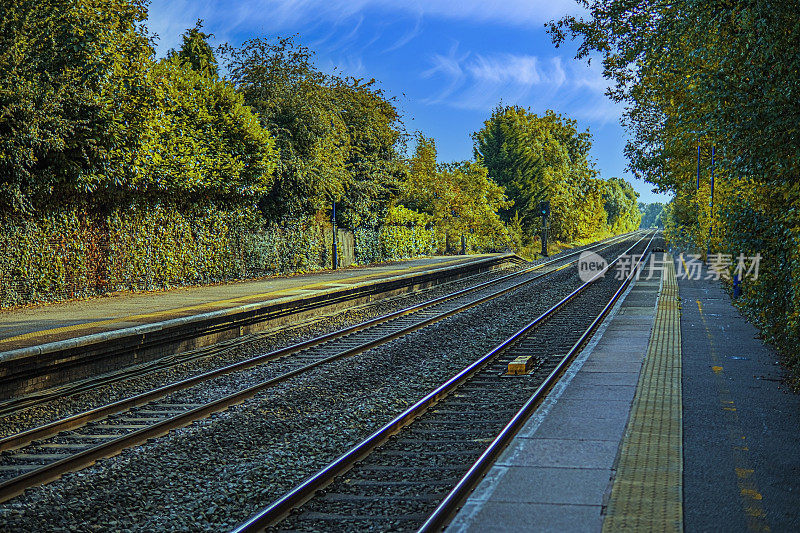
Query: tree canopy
x=374 y=166
x=713 y=79
x=89 y=117
x=537 y=158
x=294 y=102
x=91 y=120
x=65 y=67
x=652 y=215
x=458 y=198
x=621 y=206
x=195 y=52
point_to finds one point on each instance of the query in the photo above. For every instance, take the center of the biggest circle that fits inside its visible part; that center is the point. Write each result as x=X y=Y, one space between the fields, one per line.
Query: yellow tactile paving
x=647 y=494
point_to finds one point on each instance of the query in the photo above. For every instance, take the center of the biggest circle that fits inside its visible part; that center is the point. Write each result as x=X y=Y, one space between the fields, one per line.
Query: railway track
x=413 y=473
x=42 y=454
x=15 y=405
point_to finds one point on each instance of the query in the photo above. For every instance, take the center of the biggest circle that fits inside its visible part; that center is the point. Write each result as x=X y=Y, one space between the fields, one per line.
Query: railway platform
x=674 y=417
x=32 y=326
x=47 y=345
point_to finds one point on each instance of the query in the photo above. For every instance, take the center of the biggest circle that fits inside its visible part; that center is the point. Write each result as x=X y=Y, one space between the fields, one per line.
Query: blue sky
x=448 y=62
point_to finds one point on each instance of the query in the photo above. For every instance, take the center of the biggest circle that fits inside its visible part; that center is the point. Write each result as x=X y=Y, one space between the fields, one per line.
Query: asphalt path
x=741 y=422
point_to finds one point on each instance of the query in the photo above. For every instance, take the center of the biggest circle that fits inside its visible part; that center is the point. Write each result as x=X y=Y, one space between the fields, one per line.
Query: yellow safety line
x=751 y=497
x=210 y=305
x=647 y=493
x=743 y=466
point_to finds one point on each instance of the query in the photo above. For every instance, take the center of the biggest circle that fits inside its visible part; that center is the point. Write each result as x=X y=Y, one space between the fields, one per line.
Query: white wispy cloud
x=506 y=69
x=511 y=12
x=449 y=67
x=169 y=18
x=480 y=81
x=407 y=37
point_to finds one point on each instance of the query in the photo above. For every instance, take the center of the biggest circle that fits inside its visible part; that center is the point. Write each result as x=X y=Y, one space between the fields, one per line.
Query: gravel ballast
x=244 y=349
x=215 y=473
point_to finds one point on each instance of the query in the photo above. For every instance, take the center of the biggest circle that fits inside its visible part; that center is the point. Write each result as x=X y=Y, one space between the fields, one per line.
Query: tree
x=374 y=169
x=721 y=77
x=420 y=189
x=651 y=215
x=64 y=67
x=193 y=141
x=620 y=203
x=195 y=52
x=89 y=118
x=459 y=198
x=538 y=158
x=294 y=102
x=505 y=147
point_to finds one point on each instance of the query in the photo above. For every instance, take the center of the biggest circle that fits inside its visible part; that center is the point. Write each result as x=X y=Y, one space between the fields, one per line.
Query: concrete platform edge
x=149 y=341
x=647 y=492
x=464 y=521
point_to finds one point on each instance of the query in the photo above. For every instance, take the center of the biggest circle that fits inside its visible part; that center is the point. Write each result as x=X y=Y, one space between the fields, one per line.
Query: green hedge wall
x=392 y=242
x=73 y=254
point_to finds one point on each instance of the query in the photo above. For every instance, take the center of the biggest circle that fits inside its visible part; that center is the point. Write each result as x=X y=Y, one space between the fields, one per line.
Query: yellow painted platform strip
x=647 y=494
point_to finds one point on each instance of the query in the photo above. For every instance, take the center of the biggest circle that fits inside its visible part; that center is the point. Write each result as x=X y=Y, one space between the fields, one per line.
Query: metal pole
x=698 y=164
x=544 y=235
x=335 y=254
x=711 y=205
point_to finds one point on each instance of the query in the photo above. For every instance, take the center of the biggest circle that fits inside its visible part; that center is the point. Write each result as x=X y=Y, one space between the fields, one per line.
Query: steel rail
x=11 y=406
x=48 y=430
x=51 y=471
x=451 y=503
x=305 y=491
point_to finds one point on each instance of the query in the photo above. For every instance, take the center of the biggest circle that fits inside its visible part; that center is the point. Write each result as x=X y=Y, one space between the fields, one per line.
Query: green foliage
x=294 y=102
x=64 y=67
x=288 y=246
x=40 y=259
x=72 y=254
x=195 y=52
x=403 y=233
x=193 y=139
x=88 y=118
x=459 y=198
x=374 y=169
x=420 y=189
x=652 y=215
x=338 y=138
x=721 y=76
x=621 y=206
x=537 y=158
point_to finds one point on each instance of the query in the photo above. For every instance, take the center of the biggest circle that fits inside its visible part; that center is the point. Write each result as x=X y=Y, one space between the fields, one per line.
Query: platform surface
x=555 y=476
x=741 y=421
x=21 y=328
x=674 y=418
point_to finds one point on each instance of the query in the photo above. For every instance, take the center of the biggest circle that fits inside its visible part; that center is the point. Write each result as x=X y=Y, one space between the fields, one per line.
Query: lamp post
x=698 y=157
x=335 y=247
x=544 y=209
x=711 y=198
x=711 y=205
